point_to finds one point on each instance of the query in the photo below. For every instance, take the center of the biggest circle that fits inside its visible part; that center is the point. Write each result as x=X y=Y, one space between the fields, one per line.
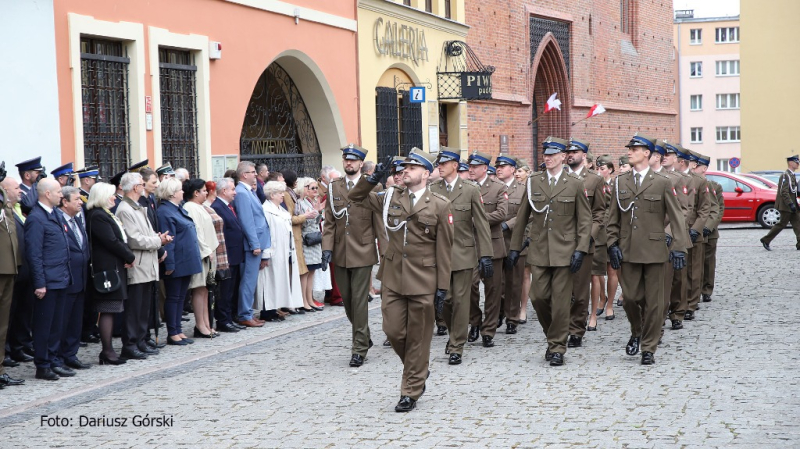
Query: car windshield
x=757 y=180
x=771 y=176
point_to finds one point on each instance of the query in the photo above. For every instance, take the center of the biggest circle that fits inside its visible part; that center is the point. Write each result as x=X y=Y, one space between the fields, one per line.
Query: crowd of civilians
x=116 y=259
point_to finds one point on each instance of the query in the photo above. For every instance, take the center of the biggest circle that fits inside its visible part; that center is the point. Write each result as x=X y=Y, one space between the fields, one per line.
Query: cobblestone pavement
x=729 y=379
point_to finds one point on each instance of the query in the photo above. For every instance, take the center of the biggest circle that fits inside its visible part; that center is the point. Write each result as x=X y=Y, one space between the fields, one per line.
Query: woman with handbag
x=310 y=208
x=194 y=194
x=183 y=256
x=220 y=256
x=109 y=260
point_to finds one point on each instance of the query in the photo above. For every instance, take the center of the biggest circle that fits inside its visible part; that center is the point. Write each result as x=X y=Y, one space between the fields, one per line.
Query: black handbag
x=312 y=238
x=105 y=281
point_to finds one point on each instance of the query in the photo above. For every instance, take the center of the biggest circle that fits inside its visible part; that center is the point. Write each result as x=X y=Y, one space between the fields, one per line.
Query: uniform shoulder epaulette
x=440 y=196
x=497 y=181
x=575 y=176
x=399 y=188
x=470 y=182
x=536 y=173
x=662 y=174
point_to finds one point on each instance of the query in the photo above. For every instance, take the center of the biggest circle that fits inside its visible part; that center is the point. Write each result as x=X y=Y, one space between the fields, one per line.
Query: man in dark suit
x=9 y=266
x=234 y=243
x=262 y=171
x=72 y=319
x=46 y=234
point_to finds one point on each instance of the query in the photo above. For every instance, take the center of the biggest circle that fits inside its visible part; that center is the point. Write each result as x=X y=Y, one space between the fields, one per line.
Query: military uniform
x=561 y=224
x=495 y=203
x=593 y=188
x=512 y=282
x=417 y=264
x=9 y=263
x=470 y=226
x=636 y=228
x=697 y=259
x=710 y=268
x=786 y=203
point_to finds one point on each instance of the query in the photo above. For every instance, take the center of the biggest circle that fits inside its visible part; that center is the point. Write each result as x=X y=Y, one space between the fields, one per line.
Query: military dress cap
x=397 y=164
x=463 y=166
x=491 y=170
x=165 y=169
x=575 y=144
x=522 y=163
x=478 y=158
x=795 y=158
x=31 y=164
x=702 y=159
x=692 y=156
x=91 y=171
x=554 y=145
x=505 y=160
x=138 y=166
x=639 y=140
x=421 y=158
x=354 y=152
x=447 y=154
x=669 y=148
x=605 y=159
x=64 y=170
x=590 y=156
x=660 y=147
x=623 y=160
x=117 y=179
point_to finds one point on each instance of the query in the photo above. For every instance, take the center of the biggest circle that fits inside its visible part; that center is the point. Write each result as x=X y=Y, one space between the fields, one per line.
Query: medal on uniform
x=396 y=221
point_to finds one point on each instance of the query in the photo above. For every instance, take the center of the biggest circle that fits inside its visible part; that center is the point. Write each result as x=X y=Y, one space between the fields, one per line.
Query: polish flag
x=552 y=103
x=596 y=110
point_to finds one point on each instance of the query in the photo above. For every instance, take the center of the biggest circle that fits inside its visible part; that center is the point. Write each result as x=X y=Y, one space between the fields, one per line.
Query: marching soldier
x=506 y=168
x=600 y=293
x=786 y=203
x=697 y=262
x=641 y=201
x=469 y=222
x=561 y=223
x=593 y=188
x=710 y=267
x=495 y=203
x=714 y=216
x=348 y=239
x=418 y=269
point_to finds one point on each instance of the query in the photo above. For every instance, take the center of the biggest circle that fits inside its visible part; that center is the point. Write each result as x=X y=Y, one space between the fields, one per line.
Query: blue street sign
x=416 y=95
x=734 y=162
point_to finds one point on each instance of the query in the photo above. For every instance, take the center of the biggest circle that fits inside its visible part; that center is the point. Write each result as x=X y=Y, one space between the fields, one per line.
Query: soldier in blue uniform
x=65 y=175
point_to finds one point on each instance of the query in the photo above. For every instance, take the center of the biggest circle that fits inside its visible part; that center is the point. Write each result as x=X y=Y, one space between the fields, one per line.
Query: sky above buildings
x=709 y=8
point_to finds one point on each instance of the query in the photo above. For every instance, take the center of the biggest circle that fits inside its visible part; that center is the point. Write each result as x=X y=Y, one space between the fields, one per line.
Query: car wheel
x=768 y=216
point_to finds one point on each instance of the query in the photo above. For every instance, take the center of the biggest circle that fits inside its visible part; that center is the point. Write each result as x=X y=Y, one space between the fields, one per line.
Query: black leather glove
x=2 y=171
x=678 y=259
x=792 y=207
x=511 y=259
x=694 y=235
x=326 y=258
x=438 y=301
x=706 y=232
x=615 y=256
x=576 y=261
x=380 y=171
x=504 y=226
x=485 y=267
x=668 y=240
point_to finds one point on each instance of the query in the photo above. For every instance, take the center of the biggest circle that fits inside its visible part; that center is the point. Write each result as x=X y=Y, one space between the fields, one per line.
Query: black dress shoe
x=441 y=330
x=63 y=371
x=21 y=356
x=488 y=341
x=9 y=382
x=356 y=360
x=176 y=342
x=766 y=245
x=511 y=328
x=610 y=317
x=238 y=326
x=574 y=341
x=406 y=404
x=557 y=359
x=46 y=374
x=133 y=354
x=591 y=328
x=677 y=325
x=387 y=343
x=76 y=364
x=474 y=333
x=648 y=358
x=147 y=350
x=689 y=315
x=548 y=355
x=8 y=362
x=90 y=338
x=632 y=348
x=227 y=328
x=198 y=334
x=455 y=359
x=152 y=343
x=706 y=298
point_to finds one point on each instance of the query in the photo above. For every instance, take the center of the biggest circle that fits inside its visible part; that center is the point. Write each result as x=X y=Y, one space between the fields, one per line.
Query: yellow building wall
x=770 y=85
x=377 y=69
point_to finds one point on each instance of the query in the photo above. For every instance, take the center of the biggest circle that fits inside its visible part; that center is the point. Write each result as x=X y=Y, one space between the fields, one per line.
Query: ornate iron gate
x=104 y=97
x=178 y=88
x=277 y=129
x=560 y=30
x=386 y=121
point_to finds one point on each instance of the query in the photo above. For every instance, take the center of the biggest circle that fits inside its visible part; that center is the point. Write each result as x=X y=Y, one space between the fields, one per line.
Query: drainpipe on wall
x=358 y=81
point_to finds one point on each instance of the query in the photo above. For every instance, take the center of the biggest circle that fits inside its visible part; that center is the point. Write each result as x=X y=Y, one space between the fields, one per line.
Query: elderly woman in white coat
x=142 y=277
x=277 y=285
x=194 y=194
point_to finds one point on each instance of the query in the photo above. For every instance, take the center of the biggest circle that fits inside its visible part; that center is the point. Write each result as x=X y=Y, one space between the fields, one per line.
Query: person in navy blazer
x=256 y=240
x=72 y=318
x=234 y=242
x=47 y=251
x=183 y=256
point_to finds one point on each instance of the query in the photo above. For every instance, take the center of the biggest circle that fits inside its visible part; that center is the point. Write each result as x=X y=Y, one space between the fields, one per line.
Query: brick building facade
x=618 y=53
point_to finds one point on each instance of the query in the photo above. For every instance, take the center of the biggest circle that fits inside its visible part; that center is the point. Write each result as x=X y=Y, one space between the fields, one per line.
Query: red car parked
x=746 y=199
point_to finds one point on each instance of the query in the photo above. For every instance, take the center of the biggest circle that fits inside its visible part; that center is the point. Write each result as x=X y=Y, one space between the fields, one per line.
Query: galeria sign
x=400 y=41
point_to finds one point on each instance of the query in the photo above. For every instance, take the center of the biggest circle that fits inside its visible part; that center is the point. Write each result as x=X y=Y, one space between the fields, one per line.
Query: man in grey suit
x=256 y=240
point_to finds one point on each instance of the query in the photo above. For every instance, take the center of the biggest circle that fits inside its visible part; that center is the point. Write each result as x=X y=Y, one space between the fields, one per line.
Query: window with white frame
x=728 y=134
x=727 y=101
x=695 y=102
x=695 y=36
x=724 y=165
x=727 y=68
x=727 y=35
x=696 y=135
x=695 y=69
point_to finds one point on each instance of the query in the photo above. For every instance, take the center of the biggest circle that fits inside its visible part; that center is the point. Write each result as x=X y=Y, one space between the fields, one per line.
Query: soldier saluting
x=417 y=265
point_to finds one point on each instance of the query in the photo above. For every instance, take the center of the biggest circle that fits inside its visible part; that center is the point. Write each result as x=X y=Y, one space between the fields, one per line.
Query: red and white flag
x=552 y=103
x=597 y=109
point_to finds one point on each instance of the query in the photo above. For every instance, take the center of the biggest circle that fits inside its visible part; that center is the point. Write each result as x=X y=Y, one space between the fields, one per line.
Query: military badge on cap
x=505 y=160
x=554 y=145
x=91 y=171
x=463 y=166
x=639 y=140
x=354 y=152
x=421 y=158
x=795 y=158
x=478 y=158
x=31 y=164
x=575 y=144
x=165 y=170
x=64 y=170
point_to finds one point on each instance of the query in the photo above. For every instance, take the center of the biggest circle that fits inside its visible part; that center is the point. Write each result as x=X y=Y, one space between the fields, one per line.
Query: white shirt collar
x=248 y=186
x=354 y=180
x=452 y=185
x=49 y=210
x=687 y=171
x=482 y=181
x=223 y=200
x=510 y=181
x=417 y=193
x=557 y=175
x=574 y=171
x=643 y=172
